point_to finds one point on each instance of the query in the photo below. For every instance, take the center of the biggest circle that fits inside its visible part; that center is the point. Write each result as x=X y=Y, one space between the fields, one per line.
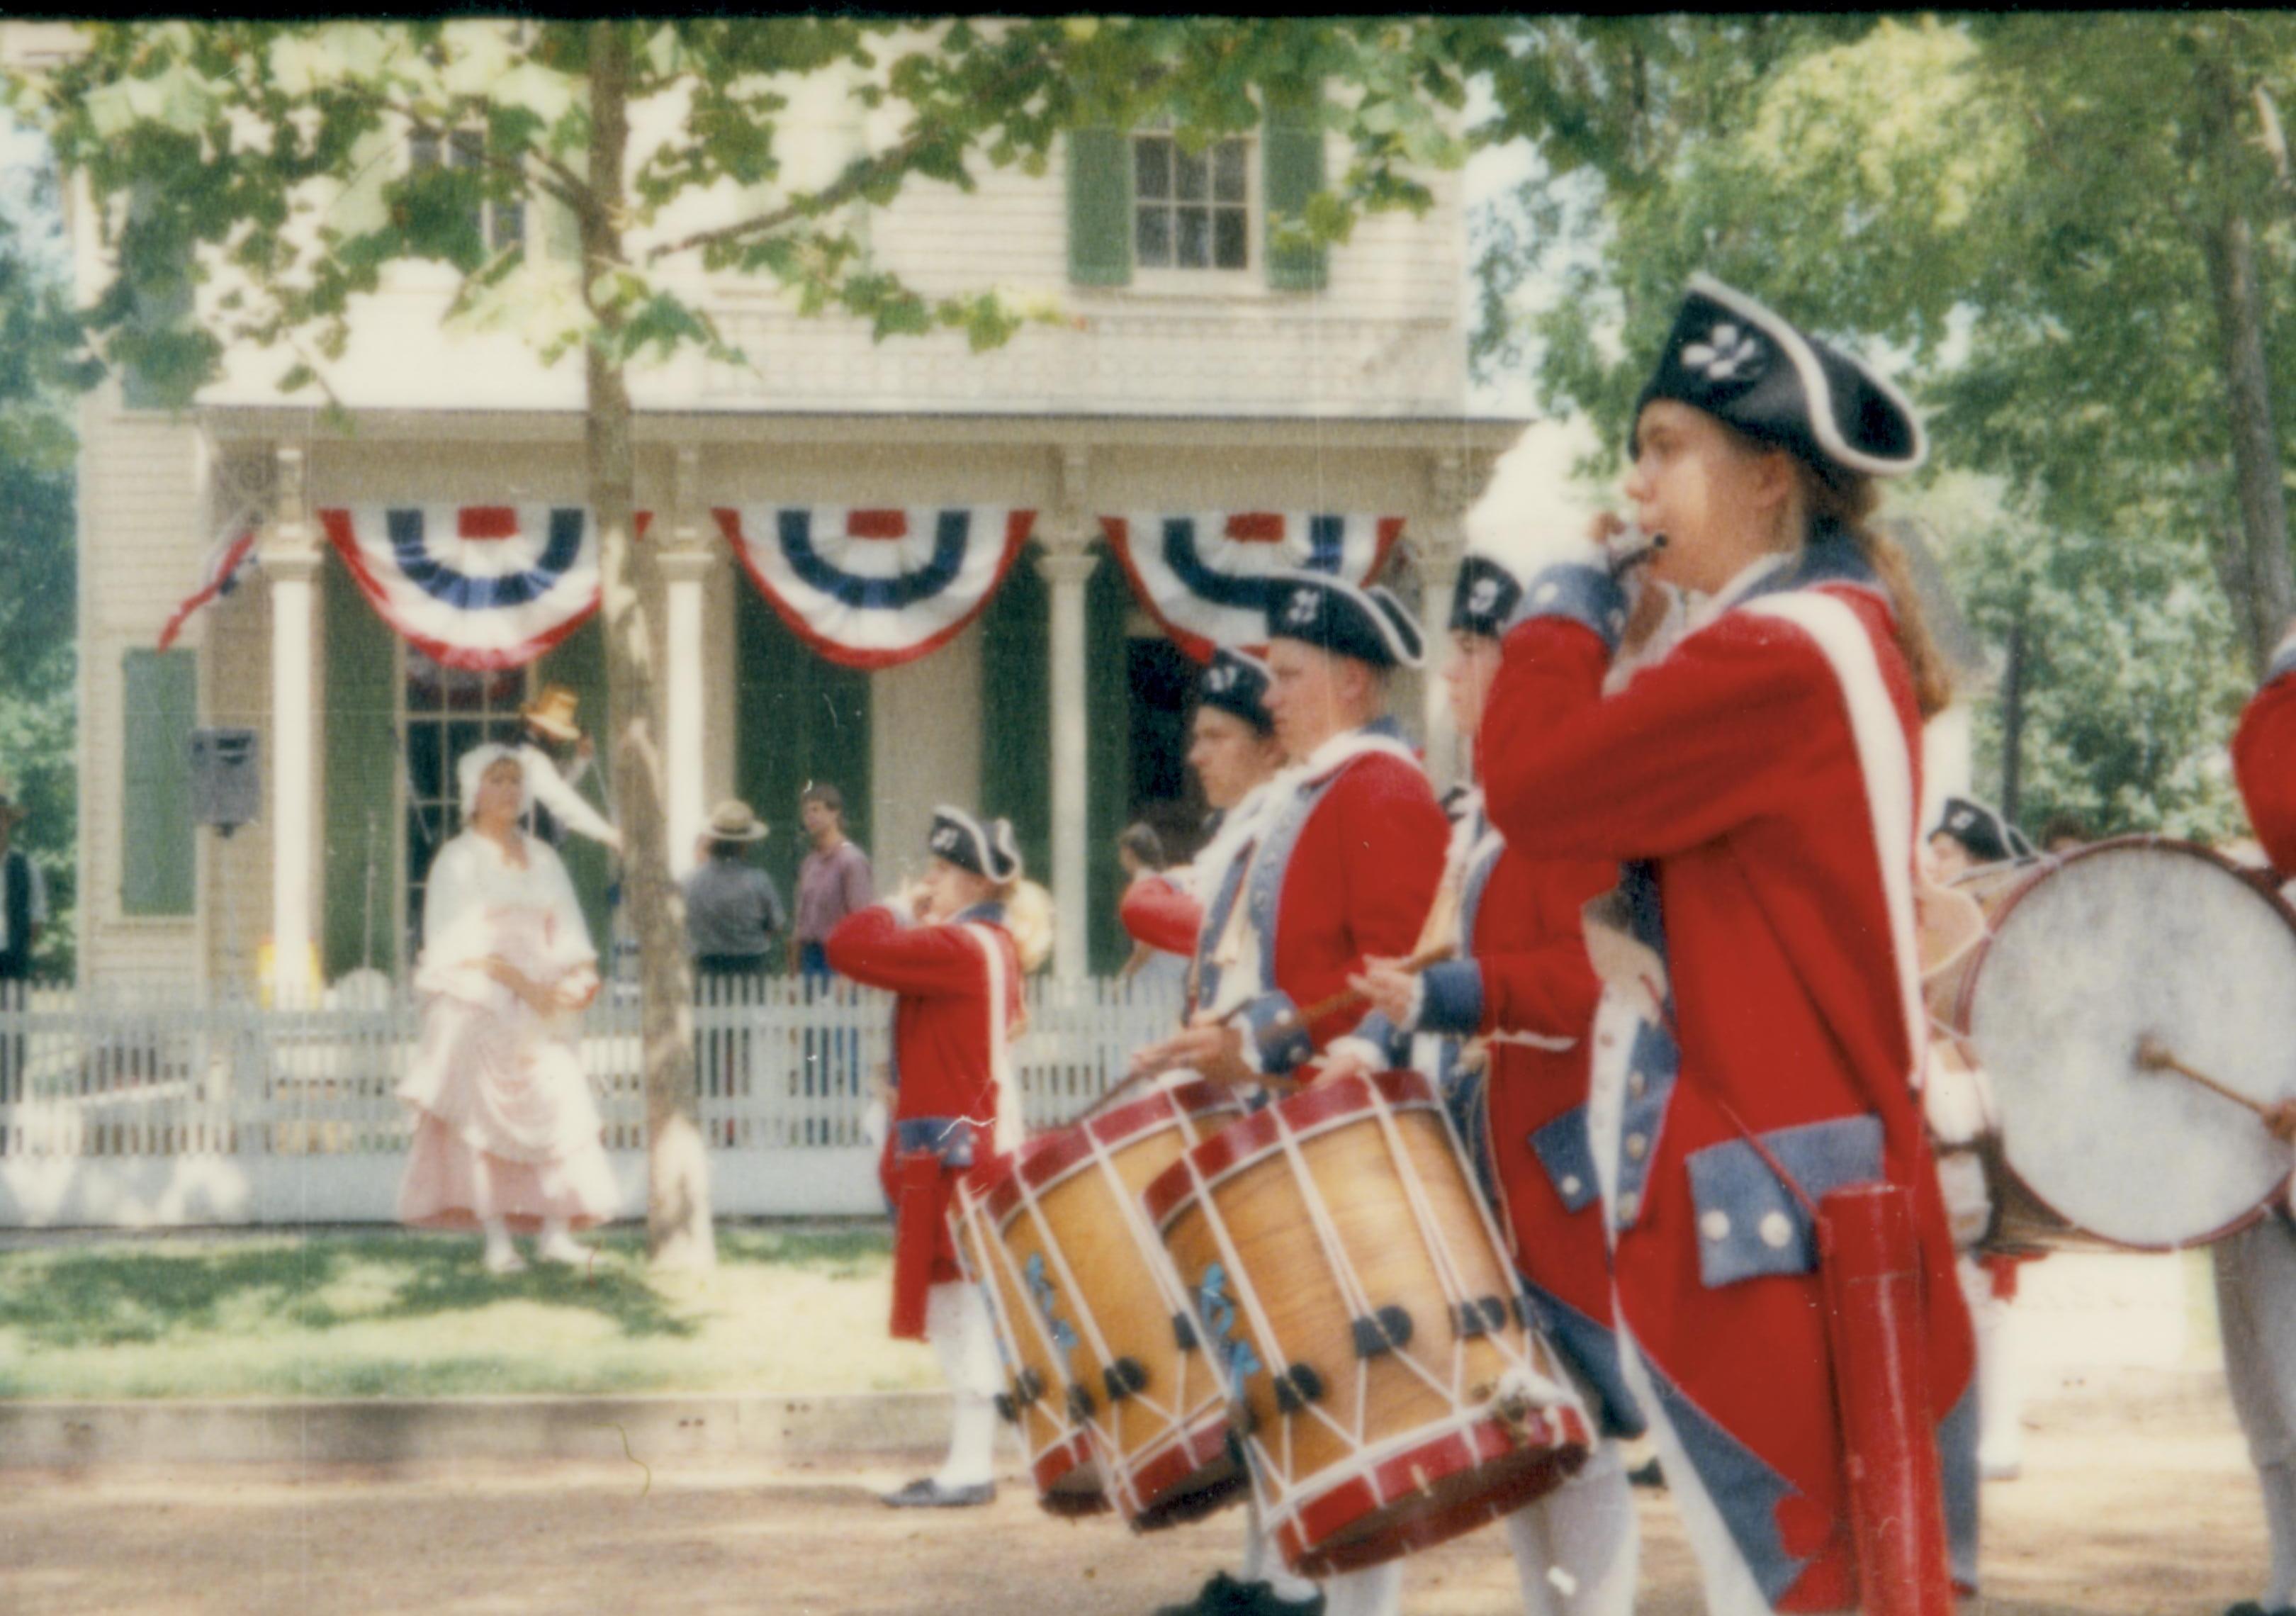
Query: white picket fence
x=136 y=1108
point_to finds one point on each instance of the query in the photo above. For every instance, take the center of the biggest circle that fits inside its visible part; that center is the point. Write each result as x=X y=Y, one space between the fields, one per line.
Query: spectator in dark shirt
x=732 y=914
x=831 y=883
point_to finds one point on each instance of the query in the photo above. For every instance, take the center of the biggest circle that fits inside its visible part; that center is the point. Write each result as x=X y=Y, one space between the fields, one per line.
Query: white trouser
x=1263 y=1562
x=956 y=1323
x=1577 y=1549
x=1377 y=1592
x=2256 y=1313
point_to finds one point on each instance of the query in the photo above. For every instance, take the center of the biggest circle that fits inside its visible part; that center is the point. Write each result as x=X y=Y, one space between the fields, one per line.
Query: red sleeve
x=1718 y=733
x=2264 y=764
x=1549 y=988
x=874 y=948
x=1157 y=913
x=1393 y=838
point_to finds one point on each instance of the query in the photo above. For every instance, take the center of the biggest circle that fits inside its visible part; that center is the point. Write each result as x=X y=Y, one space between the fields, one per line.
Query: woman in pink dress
x=506 y=1134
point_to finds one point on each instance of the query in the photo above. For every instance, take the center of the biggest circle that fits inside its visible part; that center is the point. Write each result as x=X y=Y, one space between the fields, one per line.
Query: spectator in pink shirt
x=831 y=883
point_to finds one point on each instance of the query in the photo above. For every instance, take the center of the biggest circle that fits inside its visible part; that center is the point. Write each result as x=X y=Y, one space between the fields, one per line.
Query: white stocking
x=1377 y=1592
x=1264 y=1563
x=956 y=1323
x=1585 y=1530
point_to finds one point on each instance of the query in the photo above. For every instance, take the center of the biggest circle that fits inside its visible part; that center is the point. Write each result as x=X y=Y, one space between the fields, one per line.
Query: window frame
x=494 y=725
x=1251 y=275
x=470 y=140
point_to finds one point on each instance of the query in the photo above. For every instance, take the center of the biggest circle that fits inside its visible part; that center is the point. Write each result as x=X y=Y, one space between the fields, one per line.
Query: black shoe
x=1224 y=1595
x=929 y=1494
x=1647 y=1475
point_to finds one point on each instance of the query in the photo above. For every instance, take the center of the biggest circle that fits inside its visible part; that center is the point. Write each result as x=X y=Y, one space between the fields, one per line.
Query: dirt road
x=2115 y=1516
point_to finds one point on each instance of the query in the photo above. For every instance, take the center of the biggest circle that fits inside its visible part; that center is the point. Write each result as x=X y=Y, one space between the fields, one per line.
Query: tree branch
x=856 y=178
x=570 y=190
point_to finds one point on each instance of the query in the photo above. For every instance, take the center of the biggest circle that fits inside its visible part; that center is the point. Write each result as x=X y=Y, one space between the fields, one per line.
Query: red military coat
x=958 y=999
x=1346 y=864
x=1524 y=985
x=2264 y=759
x=1767 y=770
x=1160 y=912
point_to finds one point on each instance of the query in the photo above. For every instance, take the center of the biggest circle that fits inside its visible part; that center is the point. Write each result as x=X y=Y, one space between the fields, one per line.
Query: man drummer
x=1523 y=987
x=2256 y=1268
x=1346 y=857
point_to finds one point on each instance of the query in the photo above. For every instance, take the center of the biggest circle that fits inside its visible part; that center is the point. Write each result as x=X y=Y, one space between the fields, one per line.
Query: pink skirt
x=440 y=1187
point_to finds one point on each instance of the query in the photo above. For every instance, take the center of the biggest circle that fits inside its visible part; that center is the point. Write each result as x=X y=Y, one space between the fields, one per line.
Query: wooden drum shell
x=1401 y=1449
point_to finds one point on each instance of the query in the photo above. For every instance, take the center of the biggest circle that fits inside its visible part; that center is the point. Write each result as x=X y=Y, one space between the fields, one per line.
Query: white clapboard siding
x=144 y=1107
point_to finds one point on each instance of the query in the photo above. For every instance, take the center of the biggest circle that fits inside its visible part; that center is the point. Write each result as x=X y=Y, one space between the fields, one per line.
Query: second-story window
x=1191 y=210
x=500 y=225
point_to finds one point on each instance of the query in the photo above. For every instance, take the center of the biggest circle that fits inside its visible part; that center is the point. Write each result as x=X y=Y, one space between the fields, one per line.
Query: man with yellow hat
x=547 y=727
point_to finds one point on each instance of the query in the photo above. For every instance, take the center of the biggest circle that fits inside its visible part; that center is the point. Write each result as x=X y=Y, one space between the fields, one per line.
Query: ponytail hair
x=1850 y=499
x=1027 y=921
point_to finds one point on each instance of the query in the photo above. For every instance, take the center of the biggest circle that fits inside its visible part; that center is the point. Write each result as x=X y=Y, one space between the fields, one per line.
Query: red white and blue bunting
x=876 y=587
x=474 y=587
x=1201 y=576
x=220 y=573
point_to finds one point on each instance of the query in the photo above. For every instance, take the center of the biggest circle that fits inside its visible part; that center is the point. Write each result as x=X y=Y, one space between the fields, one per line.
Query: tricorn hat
x=1368 y=624
x=1989 y=838
x=965 y=842
x=1750 y=368
x=551 y=712
x=1484 y=598
x=1237 y=683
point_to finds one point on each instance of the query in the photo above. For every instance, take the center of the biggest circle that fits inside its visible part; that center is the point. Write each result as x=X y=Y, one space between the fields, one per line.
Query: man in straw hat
x=547 y=729
x=733 y=913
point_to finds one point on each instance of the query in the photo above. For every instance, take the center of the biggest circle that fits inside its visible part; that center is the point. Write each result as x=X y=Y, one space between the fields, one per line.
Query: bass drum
x=2083 y=960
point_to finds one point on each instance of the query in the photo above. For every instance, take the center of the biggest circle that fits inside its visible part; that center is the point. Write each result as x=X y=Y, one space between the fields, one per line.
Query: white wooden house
x=1193 y=372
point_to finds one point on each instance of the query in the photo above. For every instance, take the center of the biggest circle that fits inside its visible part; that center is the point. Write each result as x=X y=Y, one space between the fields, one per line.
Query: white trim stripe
x=1886 y=767
x=1009 y=1132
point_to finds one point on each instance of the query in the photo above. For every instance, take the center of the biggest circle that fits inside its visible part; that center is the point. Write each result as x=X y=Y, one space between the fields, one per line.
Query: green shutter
x=157 y=875
x=1292 y=155
x=578 y=662
x=798 y=718
x=364 y=892
x=1016 y=711
x=1108 y=754
x=1100 y=208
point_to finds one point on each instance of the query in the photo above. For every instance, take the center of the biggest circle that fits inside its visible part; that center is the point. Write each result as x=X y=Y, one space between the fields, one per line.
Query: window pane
x=1194 y=175
x=1228 y=236
x=421 y=151
x=423 y=676
x=509 y=226
x=470 y=147
x=1152 y=169
x=1227 y=171
x=1195 y=238
x=1153 y=240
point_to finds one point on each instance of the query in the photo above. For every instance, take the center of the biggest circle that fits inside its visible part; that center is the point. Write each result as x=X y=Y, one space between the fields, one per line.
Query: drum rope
x=1448 y=1278
x=1039 y=1326
x=1352 y=1292
x=1502 y=1240
x=1086 y=1317
x=1144 y=1241
x=1278 y=1482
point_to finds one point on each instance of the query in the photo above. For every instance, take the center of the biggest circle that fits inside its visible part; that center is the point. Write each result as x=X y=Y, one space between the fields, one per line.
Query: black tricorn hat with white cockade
x=1237 y=683
x=985 y=850
x=1484 y=598
x=1980 y=829
x=1750 y=368
x=1368 y=624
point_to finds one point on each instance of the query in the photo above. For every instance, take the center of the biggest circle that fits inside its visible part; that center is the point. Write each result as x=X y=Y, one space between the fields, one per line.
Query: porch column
x=1455 y=480
x=291 y=559
x=1066 y=565
x=683 y=572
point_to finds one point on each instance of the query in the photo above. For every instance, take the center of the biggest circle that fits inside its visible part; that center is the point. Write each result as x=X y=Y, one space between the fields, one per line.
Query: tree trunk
x=2228 y=242
x=635 y=606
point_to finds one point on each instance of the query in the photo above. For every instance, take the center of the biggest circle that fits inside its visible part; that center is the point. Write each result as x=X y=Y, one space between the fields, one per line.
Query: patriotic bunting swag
x=875 y=588
x=220 y=575
x=474 y=587
x=1202 y=576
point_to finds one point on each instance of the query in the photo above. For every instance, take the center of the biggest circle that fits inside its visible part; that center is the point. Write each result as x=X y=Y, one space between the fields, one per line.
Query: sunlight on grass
x=394 y=1314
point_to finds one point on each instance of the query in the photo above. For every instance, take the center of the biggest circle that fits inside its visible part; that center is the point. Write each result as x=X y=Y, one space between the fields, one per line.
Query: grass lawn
x=395 y=1314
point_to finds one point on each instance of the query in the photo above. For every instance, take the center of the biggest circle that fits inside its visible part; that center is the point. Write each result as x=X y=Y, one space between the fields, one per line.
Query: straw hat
x=553 y=712
x=731 y=820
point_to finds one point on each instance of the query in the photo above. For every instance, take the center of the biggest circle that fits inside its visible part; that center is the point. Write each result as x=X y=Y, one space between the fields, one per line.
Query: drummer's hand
x=1345 y=1058
x=1213 y=1050
x=1386 y=987
x=2282 y=1120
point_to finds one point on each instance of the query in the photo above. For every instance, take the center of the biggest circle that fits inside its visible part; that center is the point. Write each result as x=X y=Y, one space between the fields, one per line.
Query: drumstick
x=1347 y=998
x=2154 y=1056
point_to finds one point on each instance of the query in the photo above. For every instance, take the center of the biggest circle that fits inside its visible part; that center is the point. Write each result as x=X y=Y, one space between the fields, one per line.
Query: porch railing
x=123 y=1106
